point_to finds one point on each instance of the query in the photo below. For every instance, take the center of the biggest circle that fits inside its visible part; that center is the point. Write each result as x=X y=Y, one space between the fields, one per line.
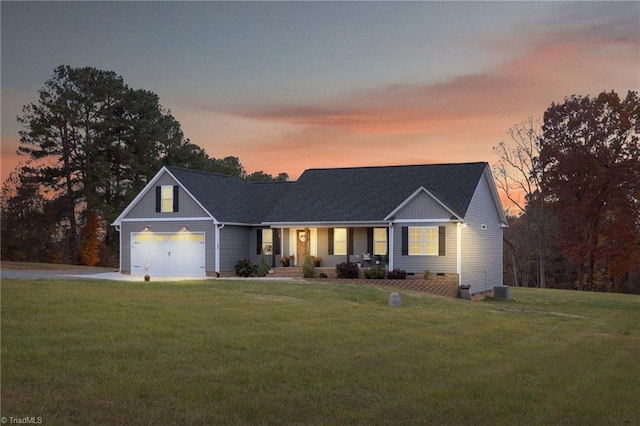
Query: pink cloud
x=555 y=66
x=460 y=119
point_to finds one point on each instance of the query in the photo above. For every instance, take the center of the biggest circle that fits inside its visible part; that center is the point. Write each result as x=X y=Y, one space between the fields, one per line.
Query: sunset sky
x=293 y=85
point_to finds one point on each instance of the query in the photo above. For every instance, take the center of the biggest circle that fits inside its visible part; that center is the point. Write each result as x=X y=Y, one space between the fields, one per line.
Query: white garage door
x=168 y=254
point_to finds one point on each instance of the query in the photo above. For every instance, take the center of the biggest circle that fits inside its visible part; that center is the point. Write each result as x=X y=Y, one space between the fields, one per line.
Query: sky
x=287 y=86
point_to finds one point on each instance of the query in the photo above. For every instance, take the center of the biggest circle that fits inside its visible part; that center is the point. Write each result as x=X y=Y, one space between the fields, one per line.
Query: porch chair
x=366 y=259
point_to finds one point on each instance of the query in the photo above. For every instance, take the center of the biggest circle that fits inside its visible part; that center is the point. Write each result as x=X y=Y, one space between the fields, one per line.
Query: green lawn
x=255 y=352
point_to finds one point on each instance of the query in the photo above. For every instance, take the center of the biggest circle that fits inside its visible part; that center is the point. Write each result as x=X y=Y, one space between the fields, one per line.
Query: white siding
x=482 y=245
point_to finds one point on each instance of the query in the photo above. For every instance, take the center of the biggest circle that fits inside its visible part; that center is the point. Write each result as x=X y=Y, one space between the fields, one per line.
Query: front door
x=301 y=238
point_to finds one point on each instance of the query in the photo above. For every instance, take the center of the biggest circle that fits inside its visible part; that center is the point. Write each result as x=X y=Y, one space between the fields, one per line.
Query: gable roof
x=230 y=199
x=355 y=194
x=372 y=193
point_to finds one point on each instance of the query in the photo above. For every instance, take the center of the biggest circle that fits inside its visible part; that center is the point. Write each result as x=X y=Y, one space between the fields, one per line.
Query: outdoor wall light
x=185 y=228
x=147 y=228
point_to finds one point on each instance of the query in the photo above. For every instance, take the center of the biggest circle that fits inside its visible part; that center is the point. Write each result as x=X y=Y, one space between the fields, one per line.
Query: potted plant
x=146 y=276
x=284 y=260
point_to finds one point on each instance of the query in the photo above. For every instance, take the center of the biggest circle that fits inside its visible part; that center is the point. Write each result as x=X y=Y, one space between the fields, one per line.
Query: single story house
x=445 y=218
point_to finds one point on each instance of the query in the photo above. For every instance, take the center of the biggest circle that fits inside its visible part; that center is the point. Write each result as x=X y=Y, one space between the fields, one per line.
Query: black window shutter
x=370 y=240
x=350 y=240
x=441 y=240
x=405 y=241
x=175 y=198
x=276 y=241
x=158 y=199
x=330 y=245
x=259 y=241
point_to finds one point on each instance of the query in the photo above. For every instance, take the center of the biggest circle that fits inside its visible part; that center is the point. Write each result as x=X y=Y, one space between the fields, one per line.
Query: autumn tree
x=91 y=235
x=518 y=176
x=590 y=157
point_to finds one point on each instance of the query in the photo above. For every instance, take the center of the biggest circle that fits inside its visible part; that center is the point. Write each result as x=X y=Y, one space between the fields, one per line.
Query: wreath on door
x=302 y=236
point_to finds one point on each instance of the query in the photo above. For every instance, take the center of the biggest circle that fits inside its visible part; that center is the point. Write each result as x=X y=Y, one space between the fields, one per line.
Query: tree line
x=90 y=144
x=573 y=182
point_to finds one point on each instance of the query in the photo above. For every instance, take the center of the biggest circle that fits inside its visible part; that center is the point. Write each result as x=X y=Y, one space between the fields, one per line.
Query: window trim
x=338 y=244
x=166 y=198
x=380 y=232
x=423 y=242
x=164 y=203
x=267 y=241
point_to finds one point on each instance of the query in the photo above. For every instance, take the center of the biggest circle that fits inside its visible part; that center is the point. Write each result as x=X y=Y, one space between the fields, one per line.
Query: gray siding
x=234 y=245
x=146 y=206
x=205 y=226
x=418 y=264
x=482 y=248
x=323 y=249
x=333 y=260
x=423 y=206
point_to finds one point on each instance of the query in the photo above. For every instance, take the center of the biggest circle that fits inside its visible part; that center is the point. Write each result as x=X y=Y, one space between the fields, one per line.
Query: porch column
x=459 y=250
x=349 y=243
x=217 y=227
x=390 y=243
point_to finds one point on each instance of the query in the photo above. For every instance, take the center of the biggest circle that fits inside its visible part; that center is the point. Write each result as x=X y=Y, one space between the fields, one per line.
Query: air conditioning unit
x=501 y=292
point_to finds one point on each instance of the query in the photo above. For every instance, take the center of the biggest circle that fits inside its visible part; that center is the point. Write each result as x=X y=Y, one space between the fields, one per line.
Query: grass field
x=251 y=352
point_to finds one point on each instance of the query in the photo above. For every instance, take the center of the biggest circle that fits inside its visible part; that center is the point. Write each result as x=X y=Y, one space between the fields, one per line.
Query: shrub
x=347 y=270
x=308 y=268
x=244 y=268
x=397 y=274
x=90 y=243
x=323 y=275
x=375 y=273
x=427 y=274
x=262 y=269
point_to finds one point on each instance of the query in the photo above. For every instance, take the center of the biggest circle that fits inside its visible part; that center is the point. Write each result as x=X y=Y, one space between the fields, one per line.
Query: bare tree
x=519 y=177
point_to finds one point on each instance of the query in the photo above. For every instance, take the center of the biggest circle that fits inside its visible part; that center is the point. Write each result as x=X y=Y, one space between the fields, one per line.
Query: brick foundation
x=446 y=285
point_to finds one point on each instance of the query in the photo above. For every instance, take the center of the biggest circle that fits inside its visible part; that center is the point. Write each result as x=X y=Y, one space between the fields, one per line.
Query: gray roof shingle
x=230 y=199
x=372 y=193
x=329 y=195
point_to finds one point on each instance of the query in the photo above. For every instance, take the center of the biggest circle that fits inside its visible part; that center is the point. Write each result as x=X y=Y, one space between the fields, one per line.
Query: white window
x=166 y=198
x=380 y=241
x=267 y=241
x=340 y=241
x=423 y=240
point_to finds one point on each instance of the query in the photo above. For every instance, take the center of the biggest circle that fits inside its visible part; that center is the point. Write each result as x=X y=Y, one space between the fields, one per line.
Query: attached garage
x=175 y=254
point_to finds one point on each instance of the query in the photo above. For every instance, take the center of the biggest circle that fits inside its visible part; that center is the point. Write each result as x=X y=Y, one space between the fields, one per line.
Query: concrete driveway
x=84 y=274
